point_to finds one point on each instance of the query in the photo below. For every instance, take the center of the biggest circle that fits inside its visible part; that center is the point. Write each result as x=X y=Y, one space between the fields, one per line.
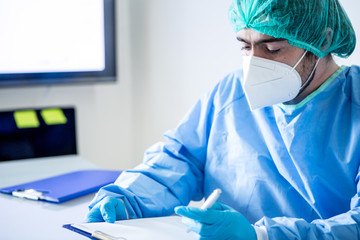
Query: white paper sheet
x=160 y=228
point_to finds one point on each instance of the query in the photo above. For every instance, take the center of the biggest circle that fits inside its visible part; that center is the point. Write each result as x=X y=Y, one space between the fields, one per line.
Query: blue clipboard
x=63 y=187
x=79 y=231
x=95 y=235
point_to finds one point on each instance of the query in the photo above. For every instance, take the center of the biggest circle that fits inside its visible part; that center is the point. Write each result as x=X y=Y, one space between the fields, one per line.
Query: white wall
x=180 y=49
x=170 y=53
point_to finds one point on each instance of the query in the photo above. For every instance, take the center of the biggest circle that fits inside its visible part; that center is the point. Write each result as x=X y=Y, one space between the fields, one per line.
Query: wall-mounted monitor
x=57 y=42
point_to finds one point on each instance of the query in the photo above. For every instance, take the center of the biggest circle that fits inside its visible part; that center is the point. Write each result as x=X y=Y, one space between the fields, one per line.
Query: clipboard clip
x=103 y=236
x=29 y=194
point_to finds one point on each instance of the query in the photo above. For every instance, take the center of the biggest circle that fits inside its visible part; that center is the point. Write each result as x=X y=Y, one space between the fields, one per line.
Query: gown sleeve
x=342 y=226
x=172 y=171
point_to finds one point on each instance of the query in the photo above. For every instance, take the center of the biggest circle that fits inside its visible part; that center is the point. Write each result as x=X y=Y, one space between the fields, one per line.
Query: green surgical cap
x=319 y=26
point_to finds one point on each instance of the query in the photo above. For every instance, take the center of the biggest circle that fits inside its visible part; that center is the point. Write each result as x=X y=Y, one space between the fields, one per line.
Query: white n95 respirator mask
x=267 y=82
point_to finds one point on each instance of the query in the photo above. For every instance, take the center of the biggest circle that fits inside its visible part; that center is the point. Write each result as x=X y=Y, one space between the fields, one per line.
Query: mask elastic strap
x=310 y=76
x=298 y=62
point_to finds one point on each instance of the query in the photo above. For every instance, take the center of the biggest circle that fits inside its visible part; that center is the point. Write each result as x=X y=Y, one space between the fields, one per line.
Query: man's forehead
x=251 y=35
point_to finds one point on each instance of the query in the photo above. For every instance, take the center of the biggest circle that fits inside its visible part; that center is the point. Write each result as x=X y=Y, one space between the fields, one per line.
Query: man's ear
x=328 y=37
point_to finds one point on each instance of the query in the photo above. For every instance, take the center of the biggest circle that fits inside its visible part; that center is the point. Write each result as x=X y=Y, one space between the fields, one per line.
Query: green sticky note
x=53 y=116
x=26 y=119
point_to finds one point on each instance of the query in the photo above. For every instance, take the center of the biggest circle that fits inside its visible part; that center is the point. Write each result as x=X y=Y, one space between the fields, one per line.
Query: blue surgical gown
x=291 y=168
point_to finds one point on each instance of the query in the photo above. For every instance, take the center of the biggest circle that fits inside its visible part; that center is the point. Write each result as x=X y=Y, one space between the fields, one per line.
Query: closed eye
x=245 y=48
x=273 y=51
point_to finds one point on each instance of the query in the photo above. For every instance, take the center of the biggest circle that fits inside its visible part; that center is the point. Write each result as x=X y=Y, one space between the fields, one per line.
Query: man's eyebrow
x=267 y=40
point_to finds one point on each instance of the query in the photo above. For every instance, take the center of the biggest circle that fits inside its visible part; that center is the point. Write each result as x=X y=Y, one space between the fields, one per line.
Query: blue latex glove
x=109 y=210
x=218 y=222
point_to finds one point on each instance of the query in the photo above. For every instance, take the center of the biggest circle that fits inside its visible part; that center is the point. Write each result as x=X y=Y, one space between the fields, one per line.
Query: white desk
x=27 y=219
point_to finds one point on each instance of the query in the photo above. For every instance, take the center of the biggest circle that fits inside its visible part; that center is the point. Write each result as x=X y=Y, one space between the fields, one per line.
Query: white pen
x=211 y=199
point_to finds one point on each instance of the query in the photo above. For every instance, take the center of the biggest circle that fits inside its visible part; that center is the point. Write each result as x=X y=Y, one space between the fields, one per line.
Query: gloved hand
x=108 y=209
x=218 y=222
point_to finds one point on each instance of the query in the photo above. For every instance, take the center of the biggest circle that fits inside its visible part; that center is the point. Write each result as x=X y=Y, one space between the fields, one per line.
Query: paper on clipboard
x=159 y=228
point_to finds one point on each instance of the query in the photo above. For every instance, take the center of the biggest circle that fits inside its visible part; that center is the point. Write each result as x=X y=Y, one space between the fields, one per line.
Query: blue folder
x=64 y=187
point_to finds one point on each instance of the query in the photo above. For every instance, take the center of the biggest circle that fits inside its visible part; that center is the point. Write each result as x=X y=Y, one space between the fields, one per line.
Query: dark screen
x=35 y=142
